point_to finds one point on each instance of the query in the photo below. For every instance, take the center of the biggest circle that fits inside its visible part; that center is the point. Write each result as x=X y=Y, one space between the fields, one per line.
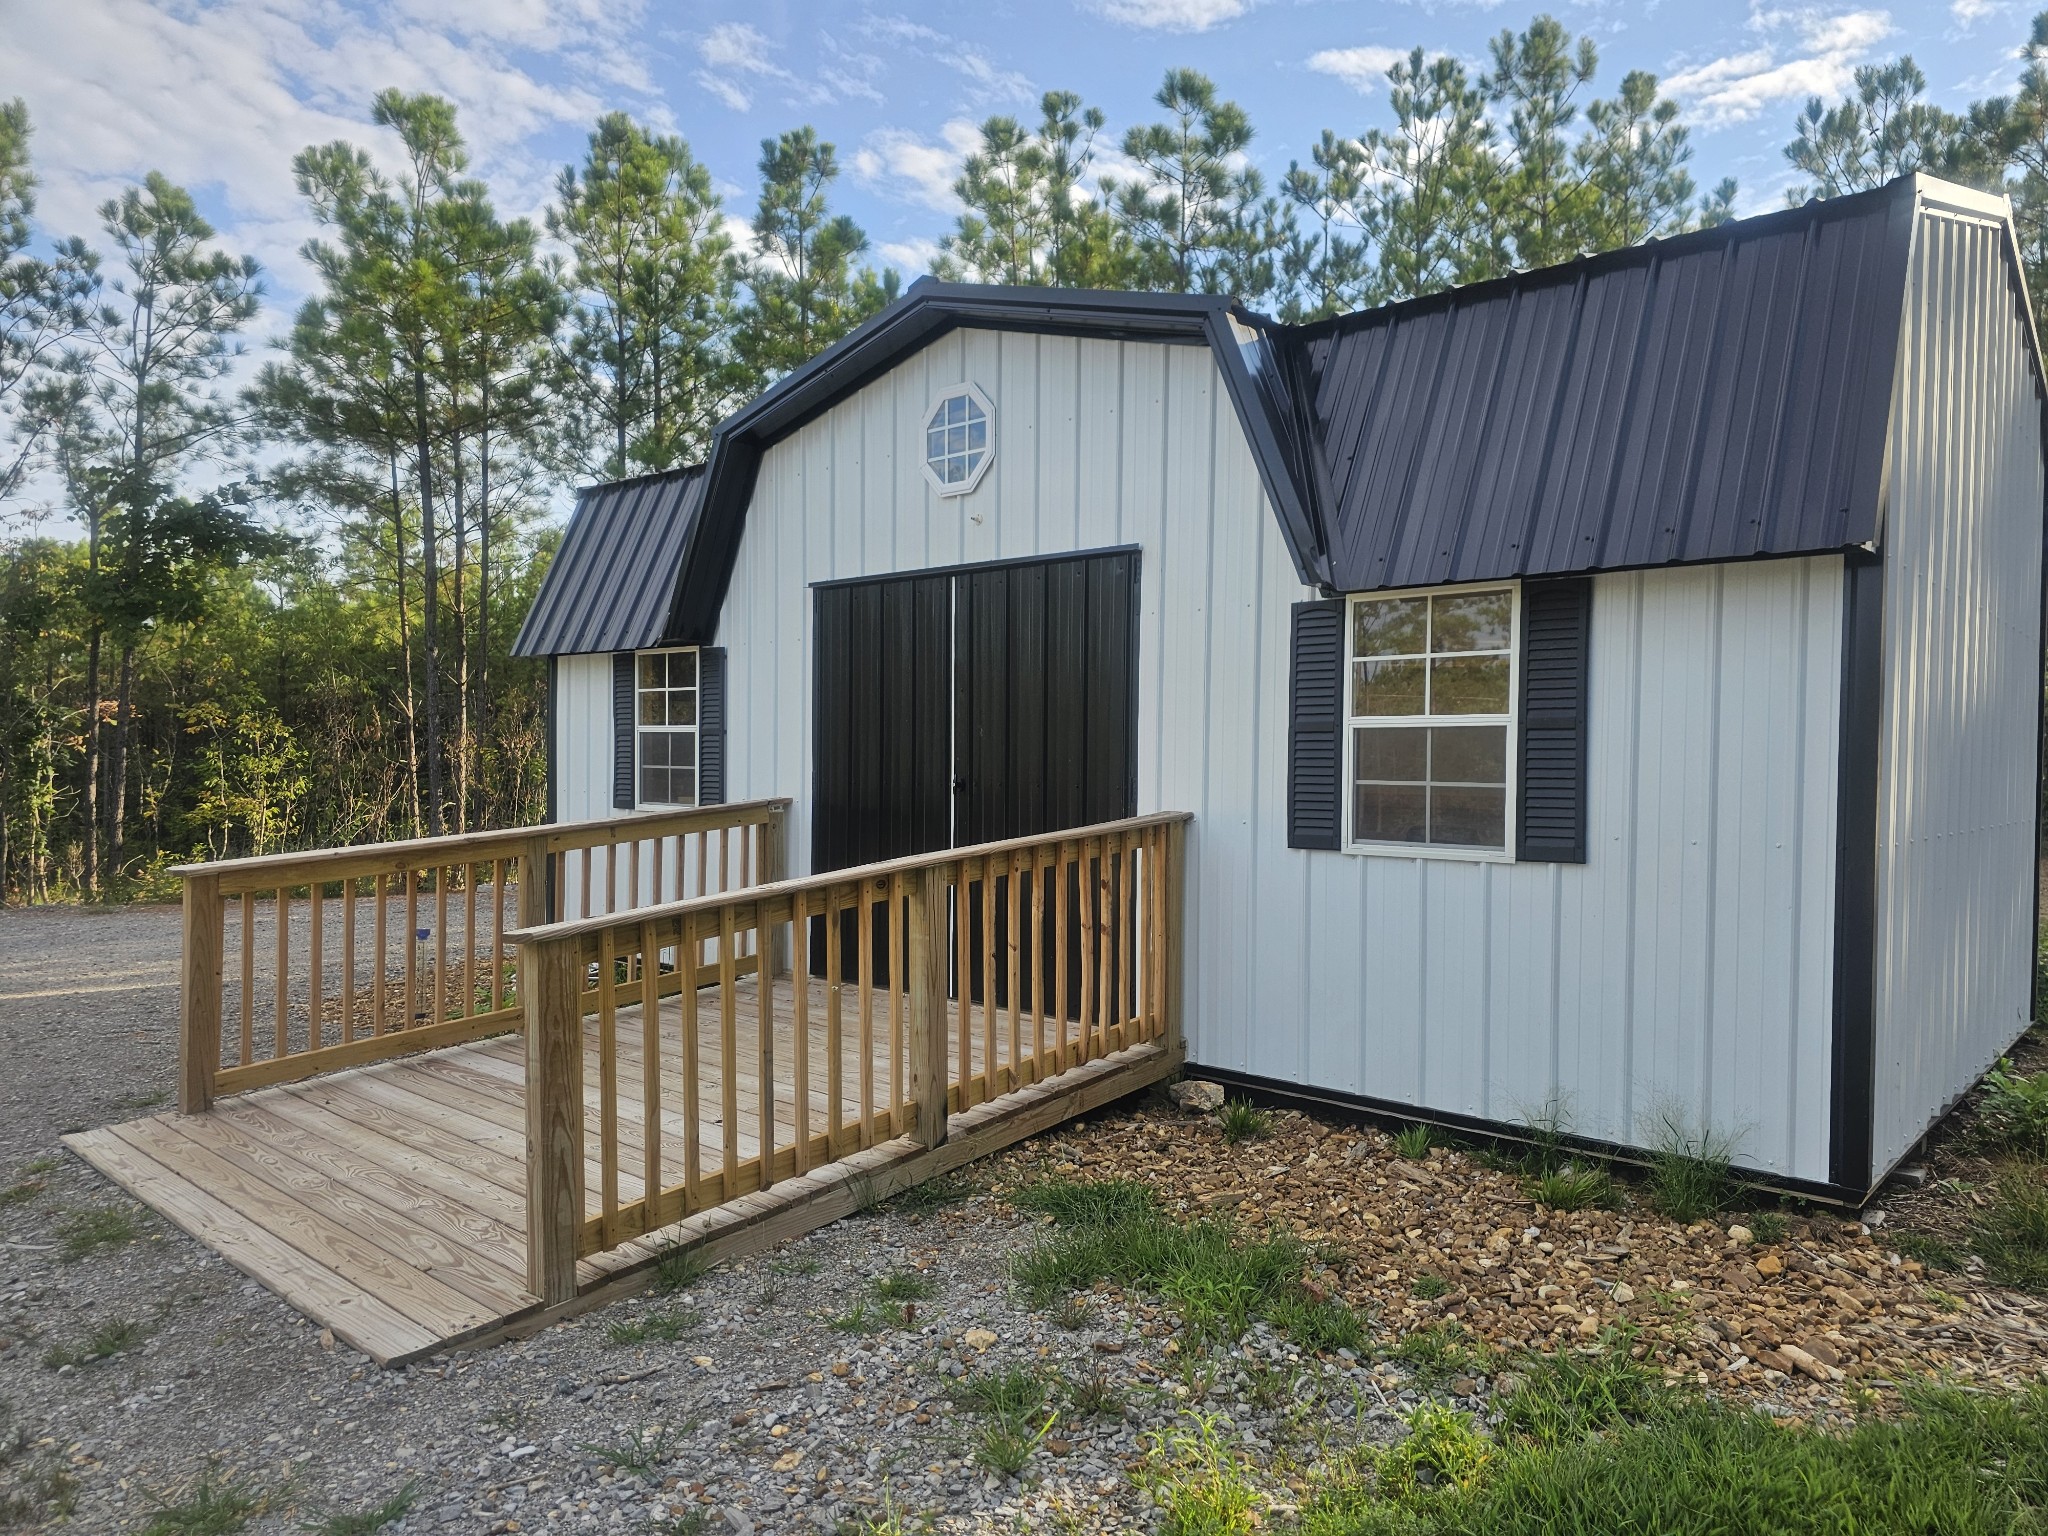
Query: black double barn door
x=967 y=706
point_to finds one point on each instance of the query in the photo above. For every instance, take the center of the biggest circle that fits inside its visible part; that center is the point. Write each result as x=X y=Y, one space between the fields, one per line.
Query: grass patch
x=1962 y=1464
x=640 y=1452
x=903 y=1285
x=1322 y=1325
x=936 y=1193
x=115 y=1336
x=1429 y=1287
x=1689 y=1171
x=1014 y=1389
x=662 y=1325
x=1243 y=1120
x=1199 y=1486
x=36 y=1487
x=1768 y=1226
x=1012 y=1405
x=20 y=1194
x=2014 y=1112
x=83 y=1233
x=1087 y=1205
x=678 y=1269
x=1572 y=1187
x=1096 y=1396
x=1440 y=1351
x=1414 y=1141
x=2012 y=1236
x=1932 y=1252
x=862 y=1317
x=1565 y=1397
x=367 y=1522
x=213 y=1508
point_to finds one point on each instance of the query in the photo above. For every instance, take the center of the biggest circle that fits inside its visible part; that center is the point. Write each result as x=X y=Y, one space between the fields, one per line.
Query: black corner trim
x=711 y=726
x=622 y=730
x=1557 y=646
x=1315 y=726
x=1852 y=1056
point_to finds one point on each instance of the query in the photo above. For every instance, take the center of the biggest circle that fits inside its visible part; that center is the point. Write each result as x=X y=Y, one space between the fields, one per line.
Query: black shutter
x=711 y=726
x=622 y=730
x=1315 y=726
x=1556 y=645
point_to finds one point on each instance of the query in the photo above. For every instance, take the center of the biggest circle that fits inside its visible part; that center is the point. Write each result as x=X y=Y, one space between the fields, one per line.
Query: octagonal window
x=959 y=440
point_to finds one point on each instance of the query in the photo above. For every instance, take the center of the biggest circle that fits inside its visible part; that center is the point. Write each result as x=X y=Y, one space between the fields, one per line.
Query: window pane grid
x=956 y=439
x=1431 y=708
x=666 y=734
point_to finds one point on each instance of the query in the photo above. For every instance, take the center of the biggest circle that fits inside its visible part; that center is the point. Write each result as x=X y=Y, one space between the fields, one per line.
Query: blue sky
x=220 y=93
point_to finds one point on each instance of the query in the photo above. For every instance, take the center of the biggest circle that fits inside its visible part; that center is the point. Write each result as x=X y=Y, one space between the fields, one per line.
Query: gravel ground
x=757 y=1414
x=786 y=1392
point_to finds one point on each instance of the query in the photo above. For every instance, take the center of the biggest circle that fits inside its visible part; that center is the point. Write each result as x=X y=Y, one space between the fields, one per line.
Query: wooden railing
x=895 y=993
x=352 y=955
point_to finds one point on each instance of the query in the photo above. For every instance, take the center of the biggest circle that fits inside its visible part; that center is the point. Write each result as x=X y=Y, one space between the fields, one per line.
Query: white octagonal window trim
x=959 y=439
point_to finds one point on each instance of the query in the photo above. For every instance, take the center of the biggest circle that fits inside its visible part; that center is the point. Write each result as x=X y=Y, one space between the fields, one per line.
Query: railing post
x=925 y=959
x=199 y=992
x=551 y=988
x=533 y=883
x=1173 y=891
x=775 y=866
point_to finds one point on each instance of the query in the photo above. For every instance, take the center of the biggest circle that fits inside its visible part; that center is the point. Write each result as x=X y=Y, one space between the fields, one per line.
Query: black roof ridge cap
x=680 y=472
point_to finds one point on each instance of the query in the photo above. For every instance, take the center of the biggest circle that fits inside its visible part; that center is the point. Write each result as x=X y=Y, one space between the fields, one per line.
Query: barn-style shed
x=1612 y=691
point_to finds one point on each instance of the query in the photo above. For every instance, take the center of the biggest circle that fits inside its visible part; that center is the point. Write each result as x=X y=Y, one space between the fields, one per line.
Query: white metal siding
x=1962 y=543
x=1685 y=969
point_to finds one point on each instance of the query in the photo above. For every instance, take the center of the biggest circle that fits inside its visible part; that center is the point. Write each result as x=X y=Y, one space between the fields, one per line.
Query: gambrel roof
x=1722 y=395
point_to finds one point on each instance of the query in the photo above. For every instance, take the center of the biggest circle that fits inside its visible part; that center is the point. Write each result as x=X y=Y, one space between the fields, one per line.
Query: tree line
x=286 y=613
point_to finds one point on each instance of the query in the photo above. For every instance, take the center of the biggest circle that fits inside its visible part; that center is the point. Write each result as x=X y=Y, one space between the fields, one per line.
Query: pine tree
x=1633 y=161
x=1883 y=130
x=1197 y=196
x=1427 y=182
x=1542 y=197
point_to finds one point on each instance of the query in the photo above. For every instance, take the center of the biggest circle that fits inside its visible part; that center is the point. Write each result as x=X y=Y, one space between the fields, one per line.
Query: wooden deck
x=389 y=1203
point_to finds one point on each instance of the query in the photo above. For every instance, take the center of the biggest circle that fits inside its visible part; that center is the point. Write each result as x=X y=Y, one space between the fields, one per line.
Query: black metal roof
x=612 y=582
x=1721 y=395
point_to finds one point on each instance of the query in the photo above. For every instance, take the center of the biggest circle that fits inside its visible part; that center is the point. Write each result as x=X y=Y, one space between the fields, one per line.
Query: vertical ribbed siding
x=1956 y=807
x=1683 y=967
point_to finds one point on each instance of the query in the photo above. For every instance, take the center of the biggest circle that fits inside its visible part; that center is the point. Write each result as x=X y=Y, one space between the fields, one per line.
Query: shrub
x=2014 y=1114
x=2012 y=1235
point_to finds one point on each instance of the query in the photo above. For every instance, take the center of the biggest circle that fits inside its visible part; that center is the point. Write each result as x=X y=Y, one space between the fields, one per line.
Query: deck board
x=388 y=1202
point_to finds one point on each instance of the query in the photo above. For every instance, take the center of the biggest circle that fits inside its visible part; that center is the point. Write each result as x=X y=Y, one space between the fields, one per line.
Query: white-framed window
x=665 y=728
x=959 y=439
x=1430 y=738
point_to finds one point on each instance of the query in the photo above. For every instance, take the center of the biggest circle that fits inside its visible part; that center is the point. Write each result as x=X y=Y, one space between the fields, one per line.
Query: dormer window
x=959 y=440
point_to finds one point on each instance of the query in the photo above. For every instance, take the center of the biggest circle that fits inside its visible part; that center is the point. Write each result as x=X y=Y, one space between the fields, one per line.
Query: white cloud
x=1363 y=69
x=898 y=163
x=735 y=45
x=1171 y=15
x=988 y=83
x=724 y=90
x=1968 y=13
x=1804 y=52
x=913 y=257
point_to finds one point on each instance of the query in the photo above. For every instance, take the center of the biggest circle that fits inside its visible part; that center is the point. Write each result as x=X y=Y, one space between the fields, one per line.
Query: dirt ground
x=139 y=1371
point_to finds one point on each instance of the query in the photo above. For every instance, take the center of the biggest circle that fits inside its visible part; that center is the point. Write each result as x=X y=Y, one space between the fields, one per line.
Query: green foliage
x=1414 y=1141
x=1199 y=1484
x=862 y=1317
x=1769 y=1226
x=1102 y=1204
x=1689 y=1171
x=1881 y=131
x=639 y=1451
x=1964 y=1464
x=1441 y=1450
x=115 y=1336
x=662 y=1325
x=1566 y=1397
x=85 y=1232
x=935 y=1193
x=1429 y=1287
x=678 y=1269
x=215 y=1506
x=36 y=1488
x=1096 y=1396
x=903 y=1285
x=1934 y=1252
x=1440 y=1351
x=1012 y=1406
x=1573 y=1187
x=20 y=1193
x=2011 y=1236
x=1243 y=1120
x=2014 y=1112
x=369 y=1521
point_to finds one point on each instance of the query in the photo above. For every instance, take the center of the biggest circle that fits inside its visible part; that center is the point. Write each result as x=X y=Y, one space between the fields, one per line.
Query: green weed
x=1440 y=1351
x=1096 y=1396
x=1414 y=1141
x=641 y=1452
x=678 y=1269
x=86 y=1232
x=1014 y=1389
x=903 y=1285
x=862 y=1317
x=1243 y=1120
x=1932 y=1252
x=1011 y=1402
x=1768 y=1226
x=1199 y=1484
x=1442 y=1449
x=1429 y=1287
x=935 y=1193
x=1573 y=1187
x=1321 y=1325
x=1566 y=1397
x=20 y=1194
x=1689 y=1171
x=1073 y=1204
x=369 y=1521
x=657 y=1325
x=2014 y=1113
x=115 y=1336
x=212 y=1508
x=2012 y=1236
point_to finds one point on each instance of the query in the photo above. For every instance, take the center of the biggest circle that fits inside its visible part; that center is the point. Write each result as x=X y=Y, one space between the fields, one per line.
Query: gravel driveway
x=779 y=1394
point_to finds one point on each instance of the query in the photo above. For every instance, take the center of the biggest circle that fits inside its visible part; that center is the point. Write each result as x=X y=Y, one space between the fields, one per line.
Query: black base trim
x=1279 y=1093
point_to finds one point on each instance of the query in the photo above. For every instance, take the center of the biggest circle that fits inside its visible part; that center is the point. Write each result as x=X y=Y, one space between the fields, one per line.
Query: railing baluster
x=283 y=914
x=650 y=1074
x=693 y=1106
x=316 y=990
x=963 y=980
x=897 y=995
x=348 y=961
x=800 y=1021
x=1036 y=961
x=440 y=943
x=611 y=878
x=470 y=978
x=989 y=977
x=728 y=1049
x=608 y=1085
x=1015 y=892
x=1062 y=864
x=835 y=1065
x=380 y=913
x=764 y=1010
x=864 y=969
x=412 y=949
x=248 y=979
x=1091 y=943
x=498 y=933
x=583 y=863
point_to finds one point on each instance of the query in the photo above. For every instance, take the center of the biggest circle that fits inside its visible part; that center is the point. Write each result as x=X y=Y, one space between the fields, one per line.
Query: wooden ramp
x=388 y=1203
